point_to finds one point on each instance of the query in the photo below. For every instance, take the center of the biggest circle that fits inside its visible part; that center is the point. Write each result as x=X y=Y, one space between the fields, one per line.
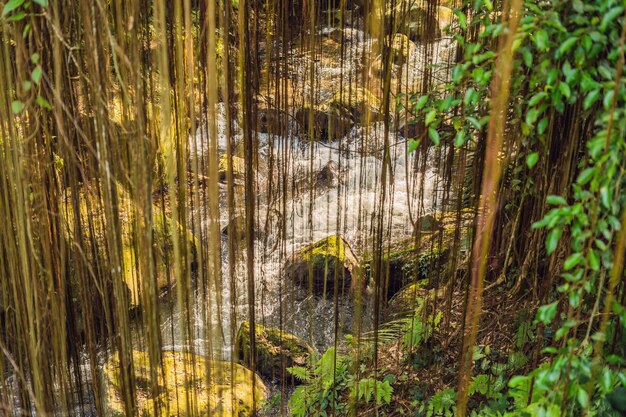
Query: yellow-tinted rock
x=356 y=103
x=446 y=15
x=276 y=350
x=239 y=167
x=413 y=19
x=329 y=259
x=183 y=388
x=402 y=48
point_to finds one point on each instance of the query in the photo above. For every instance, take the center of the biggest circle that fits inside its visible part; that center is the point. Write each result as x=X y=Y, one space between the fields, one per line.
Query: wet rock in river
x=276 y=351
x=334 y=118
x=355 y=103
x=239 y=168
x=270 y=120
x=329 y=260
x=414 y=20
x=402 y=50
x=179 y=376
x=322 y=124
x=328 y=177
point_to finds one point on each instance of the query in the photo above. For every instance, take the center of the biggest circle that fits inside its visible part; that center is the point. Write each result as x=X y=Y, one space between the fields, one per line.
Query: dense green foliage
x=331 y=386
x=567 y=87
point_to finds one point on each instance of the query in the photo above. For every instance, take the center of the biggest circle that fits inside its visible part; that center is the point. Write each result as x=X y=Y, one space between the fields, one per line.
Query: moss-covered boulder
x=404 y=264
x=276 y=350
x=239 y=168
x=356 y=104
x=406 y=299
x=402 y=49
x=182 y=379
x=428 y=223
x=412 y=19
x=328 y=260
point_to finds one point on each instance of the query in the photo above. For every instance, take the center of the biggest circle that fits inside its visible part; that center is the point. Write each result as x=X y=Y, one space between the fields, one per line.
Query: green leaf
x=462 y=18
x=574 y=298
x=430 y=116
x=542 y=125
x=35 y=58
x=469 y=96
x=531 y=116
x=567 y=45
x=585 y=176
x=36 y=75
x=537 y=98
x=300 y=372
x=556 y=200
x=17 y=17
x=546 y=313
x=527 y=56
x=42 y=3
x=541 y=40
x=421 y=102
x=459 y=139
x=42 y=102
x=572 y=260
x=413 y=144
x=594 y=261
x=17 y=107
x=591 y=98
x=27 y=85
x=583 y=397
x=474 y=122
x=434 y=135
x=608 y=99
x=553 y=239
x=610 y=16
x=565 y=90
x=531 y=159
x=11 y=5
x=605 y=197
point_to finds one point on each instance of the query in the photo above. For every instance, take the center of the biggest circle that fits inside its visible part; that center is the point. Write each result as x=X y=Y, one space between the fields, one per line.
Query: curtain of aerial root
x=181 y=179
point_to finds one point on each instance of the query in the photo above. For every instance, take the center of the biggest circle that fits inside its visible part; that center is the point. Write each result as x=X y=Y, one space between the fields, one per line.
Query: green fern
x=368 y=388
x=300 y=372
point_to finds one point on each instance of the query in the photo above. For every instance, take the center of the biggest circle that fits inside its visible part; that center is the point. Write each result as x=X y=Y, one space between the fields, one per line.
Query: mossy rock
x=405 y=265
x=412 y=20
x=406 y=299
x=181 y=379
x=402 y=49
x=239 y=167
x=276 y=351
x=356 y=103
x=428 y=223
x=327 y=259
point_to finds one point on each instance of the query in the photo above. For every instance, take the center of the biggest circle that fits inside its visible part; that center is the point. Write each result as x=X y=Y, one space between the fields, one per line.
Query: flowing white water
x=347 y=208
